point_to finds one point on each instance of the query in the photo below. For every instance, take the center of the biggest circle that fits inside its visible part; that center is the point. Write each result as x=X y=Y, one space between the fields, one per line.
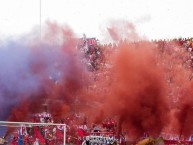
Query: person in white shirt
x=36 y=142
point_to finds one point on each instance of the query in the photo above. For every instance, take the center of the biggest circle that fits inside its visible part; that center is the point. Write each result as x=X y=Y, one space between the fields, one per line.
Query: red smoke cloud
x=137 y=94
x=150 y=85
x=136 y=89
x=122 y=30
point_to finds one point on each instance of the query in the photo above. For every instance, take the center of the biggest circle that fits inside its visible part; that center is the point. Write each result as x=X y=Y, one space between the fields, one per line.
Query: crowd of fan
x=76 y=131
x=94 y=57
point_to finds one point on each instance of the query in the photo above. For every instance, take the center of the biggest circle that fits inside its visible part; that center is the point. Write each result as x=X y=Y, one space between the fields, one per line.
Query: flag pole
x=40 y=19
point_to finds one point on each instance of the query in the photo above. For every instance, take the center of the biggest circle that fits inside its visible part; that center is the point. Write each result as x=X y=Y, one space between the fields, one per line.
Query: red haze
x=137 y=94
x=135 y=90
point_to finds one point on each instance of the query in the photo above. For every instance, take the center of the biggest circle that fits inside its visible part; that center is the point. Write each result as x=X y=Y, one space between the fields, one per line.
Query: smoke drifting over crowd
x=137 y=90
x=30 y=72
x=138 y=93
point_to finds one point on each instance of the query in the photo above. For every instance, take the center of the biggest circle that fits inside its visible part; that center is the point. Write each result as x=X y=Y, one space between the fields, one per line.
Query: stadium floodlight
x=31 y=124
